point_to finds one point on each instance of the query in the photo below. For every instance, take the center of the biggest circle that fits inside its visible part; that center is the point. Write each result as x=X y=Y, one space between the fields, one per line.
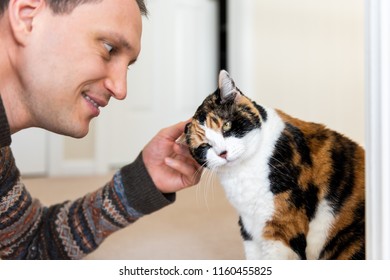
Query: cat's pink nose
x=223 y=154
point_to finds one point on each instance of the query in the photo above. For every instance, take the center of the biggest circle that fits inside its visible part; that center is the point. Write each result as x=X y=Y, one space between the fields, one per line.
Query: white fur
x=318 y=229
x=236 y=148
x=268 y=250
x=244 y=174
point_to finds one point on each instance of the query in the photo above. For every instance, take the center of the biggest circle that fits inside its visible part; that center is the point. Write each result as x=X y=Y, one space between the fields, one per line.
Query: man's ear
x=21 y=17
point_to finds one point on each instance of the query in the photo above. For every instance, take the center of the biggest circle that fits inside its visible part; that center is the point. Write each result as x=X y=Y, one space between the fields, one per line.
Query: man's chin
x=74 y=132
x=80 y=133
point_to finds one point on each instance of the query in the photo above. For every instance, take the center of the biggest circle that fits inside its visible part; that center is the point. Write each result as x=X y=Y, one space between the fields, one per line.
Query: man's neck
x=15 y=113
x=10 y=85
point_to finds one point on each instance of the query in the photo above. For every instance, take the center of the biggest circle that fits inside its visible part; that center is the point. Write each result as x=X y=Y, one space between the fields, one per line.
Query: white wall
x=305 y=57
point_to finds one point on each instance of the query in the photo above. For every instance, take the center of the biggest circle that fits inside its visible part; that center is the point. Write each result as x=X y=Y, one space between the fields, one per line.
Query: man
x=61 y=62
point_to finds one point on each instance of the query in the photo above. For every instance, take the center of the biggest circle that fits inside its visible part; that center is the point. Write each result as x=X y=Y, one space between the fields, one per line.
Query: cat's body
x=298 y=187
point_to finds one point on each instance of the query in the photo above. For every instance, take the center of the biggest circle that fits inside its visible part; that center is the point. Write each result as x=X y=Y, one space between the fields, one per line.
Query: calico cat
x=298 y=186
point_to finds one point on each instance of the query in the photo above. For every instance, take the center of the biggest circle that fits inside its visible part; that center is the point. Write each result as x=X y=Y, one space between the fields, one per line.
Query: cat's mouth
x=220 y=160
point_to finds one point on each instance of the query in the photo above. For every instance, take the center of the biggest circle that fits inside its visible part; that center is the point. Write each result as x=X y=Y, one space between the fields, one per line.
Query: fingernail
x=168 y=161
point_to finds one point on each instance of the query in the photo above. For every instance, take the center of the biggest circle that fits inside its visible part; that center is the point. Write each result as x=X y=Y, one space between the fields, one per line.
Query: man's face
x=74 y=63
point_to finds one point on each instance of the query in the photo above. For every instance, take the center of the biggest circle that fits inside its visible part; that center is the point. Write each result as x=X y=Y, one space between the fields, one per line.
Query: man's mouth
x=90 y=100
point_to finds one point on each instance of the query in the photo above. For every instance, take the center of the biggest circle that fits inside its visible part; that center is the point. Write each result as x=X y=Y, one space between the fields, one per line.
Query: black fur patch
x=200 y=153
x=262 y=112
x=311 y=201
x=298 y=245
x=241 y=126
x=343 y=178
x=285 y=174
x=300 y=144
x=245 y=235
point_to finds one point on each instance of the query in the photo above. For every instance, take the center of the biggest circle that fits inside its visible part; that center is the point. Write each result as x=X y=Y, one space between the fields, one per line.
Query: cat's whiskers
x=213 y=179
x=198 y=172
x=207 y=183
x=203 y=178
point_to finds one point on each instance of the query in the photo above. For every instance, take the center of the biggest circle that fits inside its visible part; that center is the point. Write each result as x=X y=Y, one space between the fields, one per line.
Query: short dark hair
x=67 y=6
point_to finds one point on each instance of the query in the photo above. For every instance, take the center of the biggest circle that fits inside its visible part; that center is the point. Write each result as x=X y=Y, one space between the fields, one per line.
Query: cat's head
x=224 y=127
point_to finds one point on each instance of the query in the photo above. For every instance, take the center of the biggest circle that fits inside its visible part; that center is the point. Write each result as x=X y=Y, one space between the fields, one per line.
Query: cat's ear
x=227 y=87
x=182 y=140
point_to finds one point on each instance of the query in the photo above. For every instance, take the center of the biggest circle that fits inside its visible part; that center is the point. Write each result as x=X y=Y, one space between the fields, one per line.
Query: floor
x=200 y=225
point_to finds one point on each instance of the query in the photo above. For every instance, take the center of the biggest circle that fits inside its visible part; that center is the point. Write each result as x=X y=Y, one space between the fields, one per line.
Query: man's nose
x=116 y=82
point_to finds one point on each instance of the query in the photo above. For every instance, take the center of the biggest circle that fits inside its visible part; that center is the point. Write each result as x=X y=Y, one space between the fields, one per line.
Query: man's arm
x=70 y=230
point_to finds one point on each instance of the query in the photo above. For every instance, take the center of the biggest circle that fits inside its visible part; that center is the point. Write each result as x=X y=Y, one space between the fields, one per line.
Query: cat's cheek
x=235 y=148
x=213 y=160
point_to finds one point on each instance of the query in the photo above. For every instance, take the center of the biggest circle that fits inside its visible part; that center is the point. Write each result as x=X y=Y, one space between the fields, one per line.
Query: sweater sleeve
x=71 y=230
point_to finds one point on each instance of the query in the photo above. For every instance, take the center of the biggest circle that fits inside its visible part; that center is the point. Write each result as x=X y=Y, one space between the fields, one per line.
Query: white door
x=29 y=148
x=176 y=69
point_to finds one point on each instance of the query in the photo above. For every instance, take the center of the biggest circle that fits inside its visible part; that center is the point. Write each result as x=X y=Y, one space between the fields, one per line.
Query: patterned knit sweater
x=70 y=230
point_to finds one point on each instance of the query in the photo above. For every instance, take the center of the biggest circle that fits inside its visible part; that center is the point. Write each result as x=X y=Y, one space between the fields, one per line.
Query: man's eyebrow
x=117 y=38
x=121 y=40
x=123 y=43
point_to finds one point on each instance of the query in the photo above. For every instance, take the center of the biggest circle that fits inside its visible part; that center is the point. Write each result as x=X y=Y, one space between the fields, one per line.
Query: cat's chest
x=247 y=187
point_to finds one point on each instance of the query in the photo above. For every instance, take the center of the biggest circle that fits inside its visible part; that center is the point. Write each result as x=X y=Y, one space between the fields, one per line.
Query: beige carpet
x=201 y=224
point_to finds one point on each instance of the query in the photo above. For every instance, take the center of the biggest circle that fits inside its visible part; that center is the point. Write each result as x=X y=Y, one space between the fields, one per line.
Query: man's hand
x=170 y=164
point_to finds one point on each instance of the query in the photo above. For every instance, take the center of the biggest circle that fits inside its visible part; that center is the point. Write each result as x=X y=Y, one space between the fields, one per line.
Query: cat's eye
x=227 y=126
x=204 y=146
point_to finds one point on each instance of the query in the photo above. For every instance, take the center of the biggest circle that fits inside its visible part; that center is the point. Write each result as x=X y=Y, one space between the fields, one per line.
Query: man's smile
x=90 y=100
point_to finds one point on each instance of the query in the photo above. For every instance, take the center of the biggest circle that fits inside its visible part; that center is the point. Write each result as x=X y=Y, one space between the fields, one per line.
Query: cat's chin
x=215 y=162
x=215 y=166
x=224 y=166
x=232 y=162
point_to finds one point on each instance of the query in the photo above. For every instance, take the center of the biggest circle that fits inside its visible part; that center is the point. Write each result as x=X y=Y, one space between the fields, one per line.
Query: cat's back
x=320 y=154
x=317 y=177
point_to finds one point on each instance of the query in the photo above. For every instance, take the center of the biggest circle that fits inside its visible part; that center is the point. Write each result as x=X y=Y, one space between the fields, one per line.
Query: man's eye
x=108 y=47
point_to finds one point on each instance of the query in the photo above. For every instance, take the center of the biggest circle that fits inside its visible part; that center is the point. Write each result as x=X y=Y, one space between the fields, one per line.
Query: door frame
x=377 y=14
